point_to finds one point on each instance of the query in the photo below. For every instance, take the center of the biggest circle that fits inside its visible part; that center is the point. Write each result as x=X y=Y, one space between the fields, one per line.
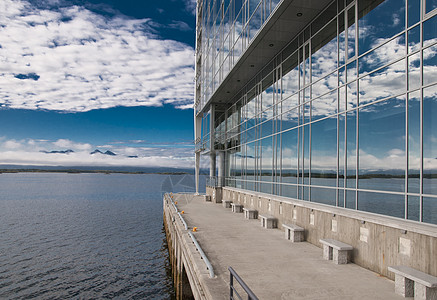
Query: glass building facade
x=345 y=114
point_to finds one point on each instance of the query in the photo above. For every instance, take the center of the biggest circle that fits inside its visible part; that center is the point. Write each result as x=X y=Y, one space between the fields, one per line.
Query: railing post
x=231 y=284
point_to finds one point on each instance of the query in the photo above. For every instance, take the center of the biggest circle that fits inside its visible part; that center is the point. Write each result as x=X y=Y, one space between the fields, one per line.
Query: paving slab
x=273 y=267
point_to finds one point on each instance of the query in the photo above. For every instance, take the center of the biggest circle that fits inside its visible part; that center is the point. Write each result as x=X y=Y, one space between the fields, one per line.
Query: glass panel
x=342 y=99
x=382 y=146
x=351 y=161
x=414 y=71
x=351 y=32
x=430 y=140
x=290 y=76
x=324 y=51
x=341 y=40
x=430 y=210
x=321 y=195
x=430 y=31
x=342 y=76
x=350 y=199
x=290 y=119
x=385 y=204
x=324 y=152
x=340 y=198
x=266 y=159
x=378 y=21
x=324 y=85
x=341 y=153
x=289 y=156
x=324 y=106
x=414 y=39
x=351 y=95
x=289 y=191
x=413 y=208
x=307 y=65
x=414 y=142
x=383 y=83
x=430 y=65
x=431 y=5
x=306 y=153
x=351 y=71
x=250 y=161
x=413 y=12
x=255 y=22
x=306 y=193
x=383 y=55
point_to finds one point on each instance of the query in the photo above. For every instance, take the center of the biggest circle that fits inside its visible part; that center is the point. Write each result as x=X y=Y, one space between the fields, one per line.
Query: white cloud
x=67 y=144
x=34 y=152
x=89 y=62
x=12 y=144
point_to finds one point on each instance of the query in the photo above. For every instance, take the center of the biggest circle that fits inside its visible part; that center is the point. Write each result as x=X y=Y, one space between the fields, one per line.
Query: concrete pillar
x=197 y=170
x=197 y=138
x=221 y=167
x=212 y=167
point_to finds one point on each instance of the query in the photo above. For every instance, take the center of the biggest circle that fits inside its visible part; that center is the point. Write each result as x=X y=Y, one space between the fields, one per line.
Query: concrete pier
x=272 y=266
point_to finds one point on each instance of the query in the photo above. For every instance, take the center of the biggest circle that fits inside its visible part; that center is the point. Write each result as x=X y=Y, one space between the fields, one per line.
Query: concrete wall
x=216 y=194
x=378 y=241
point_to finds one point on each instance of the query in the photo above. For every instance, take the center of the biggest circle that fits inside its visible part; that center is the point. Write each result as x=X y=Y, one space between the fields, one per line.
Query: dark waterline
x=85 y=235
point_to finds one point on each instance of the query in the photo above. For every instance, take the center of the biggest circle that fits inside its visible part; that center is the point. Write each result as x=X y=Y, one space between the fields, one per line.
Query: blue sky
x=114 y=75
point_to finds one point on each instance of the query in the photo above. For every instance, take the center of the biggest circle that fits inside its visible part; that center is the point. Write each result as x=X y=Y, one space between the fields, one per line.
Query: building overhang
x=284 y=24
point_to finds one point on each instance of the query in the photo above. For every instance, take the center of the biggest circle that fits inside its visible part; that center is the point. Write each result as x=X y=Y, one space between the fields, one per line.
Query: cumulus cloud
x=72 y=59
x=37 y=153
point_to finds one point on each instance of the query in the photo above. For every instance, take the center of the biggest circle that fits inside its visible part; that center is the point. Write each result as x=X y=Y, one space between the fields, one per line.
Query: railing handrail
x=250 y=294
x=183 y=221
x=202 y=254
x=177 y=211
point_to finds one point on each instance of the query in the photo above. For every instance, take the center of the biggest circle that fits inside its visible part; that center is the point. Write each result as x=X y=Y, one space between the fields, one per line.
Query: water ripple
x=59 y=241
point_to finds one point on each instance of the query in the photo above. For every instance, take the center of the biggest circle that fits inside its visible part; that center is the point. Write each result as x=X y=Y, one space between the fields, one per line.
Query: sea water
x=85 y=235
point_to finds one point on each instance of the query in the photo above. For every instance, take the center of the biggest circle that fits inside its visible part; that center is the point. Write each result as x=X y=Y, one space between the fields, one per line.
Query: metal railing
x=215 y=181
x=202 y=254
x=183 y=221
x=177 y=211
x=232 y=290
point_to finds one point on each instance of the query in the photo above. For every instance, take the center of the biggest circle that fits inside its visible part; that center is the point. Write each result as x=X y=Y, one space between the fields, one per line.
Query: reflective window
x=430 y=210
x=414 y=142
x=413 y=12
x=430 y=31
x=385 y=204
x=378 y=21
x=383 y=83
x=430 y=65
x=365 y=79
x=324 y=51
x=324 y=152
x=430 y=5
x=430 y=140
x=382 y=146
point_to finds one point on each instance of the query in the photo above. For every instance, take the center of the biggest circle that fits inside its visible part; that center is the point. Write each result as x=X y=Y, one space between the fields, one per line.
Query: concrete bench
x=268 y=221
x=226 y=203
x=335 y=250
x=250 y=213
x=410 y=282
x=293 y=232
x=237 y=208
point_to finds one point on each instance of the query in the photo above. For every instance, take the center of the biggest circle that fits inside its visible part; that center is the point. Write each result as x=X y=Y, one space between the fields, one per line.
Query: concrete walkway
x=273 y=267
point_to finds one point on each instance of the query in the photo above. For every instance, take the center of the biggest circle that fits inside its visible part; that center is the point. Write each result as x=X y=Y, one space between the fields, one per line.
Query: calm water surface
x=84 y=236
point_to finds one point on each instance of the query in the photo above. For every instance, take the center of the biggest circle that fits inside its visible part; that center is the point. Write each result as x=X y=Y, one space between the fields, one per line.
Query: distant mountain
x=133 y=156
x=58 y=151
x=97 y=151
